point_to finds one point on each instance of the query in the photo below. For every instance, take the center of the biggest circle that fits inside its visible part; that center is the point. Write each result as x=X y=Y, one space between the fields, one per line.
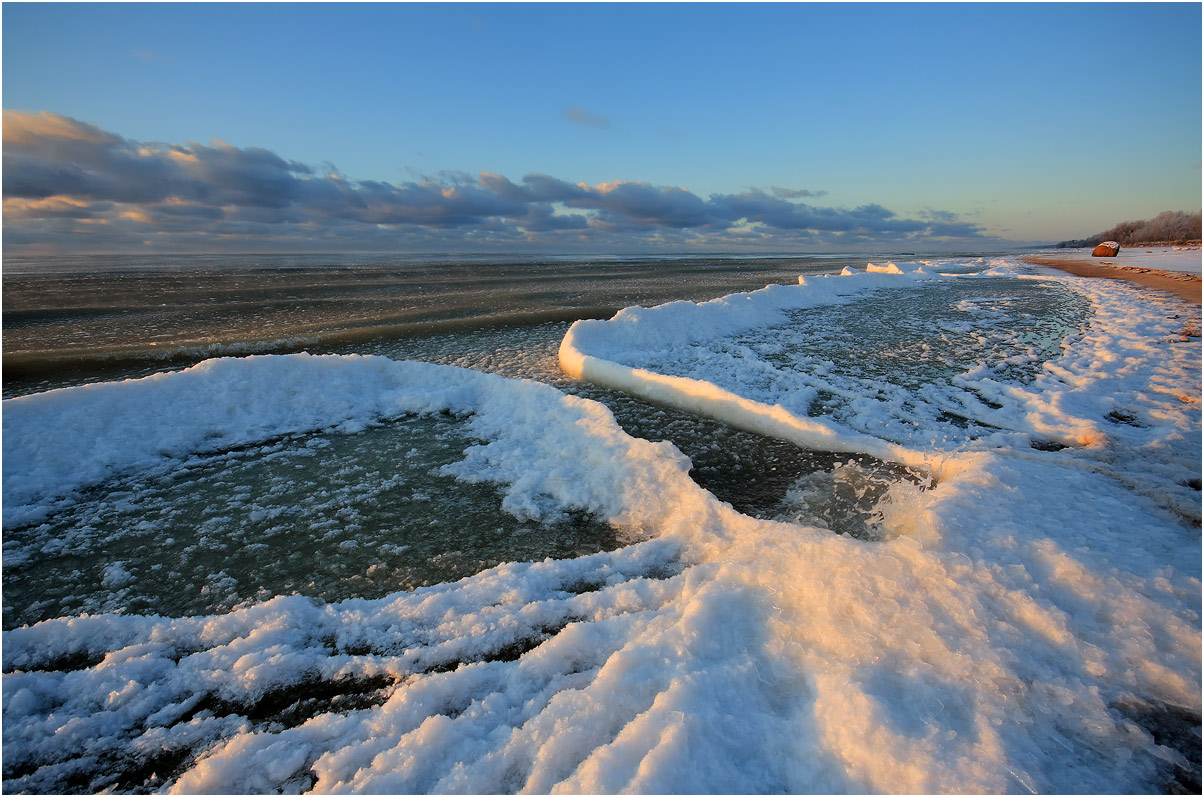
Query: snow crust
x=1005 y=634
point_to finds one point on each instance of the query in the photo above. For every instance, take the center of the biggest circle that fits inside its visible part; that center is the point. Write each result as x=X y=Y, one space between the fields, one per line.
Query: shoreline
x=1184 y=285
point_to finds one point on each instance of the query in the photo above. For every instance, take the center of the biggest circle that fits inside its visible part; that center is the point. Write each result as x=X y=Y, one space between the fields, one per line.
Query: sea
x=70 y=322
x=713 y=522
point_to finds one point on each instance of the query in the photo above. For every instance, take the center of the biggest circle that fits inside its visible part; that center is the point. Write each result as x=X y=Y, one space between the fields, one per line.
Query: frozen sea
x=644 y=524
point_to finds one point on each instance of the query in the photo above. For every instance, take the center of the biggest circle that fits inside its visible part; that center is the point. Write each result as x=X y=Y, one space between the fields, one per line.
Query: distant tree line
x=1168 y=227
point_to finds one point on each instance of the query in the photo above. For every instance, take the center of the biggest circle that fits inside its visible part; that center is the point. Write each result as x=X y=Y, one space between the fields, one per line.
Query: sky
x=575 y=126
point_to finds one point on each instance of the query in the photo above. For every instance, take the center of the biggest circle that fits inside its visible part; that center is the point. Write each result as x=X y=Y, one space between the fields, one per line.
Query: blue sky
x=1016 y=121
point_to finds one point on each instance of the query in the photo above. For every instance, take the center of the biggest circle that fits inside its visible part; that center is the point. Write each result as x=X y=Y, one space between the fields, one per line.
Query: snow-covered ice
x=931 y=361
x=1012 y=626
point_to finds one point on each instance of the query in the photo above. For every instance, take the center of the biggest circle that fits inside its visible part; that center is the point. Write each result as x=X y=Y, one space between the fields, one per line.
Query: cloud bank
x=70 y=186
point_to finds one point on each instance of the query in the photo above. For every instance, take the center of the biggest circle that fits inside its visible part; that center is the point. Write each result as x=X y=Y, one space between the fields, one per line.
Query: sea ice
x=1012 y=628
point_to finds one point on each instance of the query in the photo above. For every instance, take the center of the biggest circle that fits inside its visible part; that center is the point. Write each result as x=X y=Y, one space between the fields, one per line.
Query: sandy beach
x=1184 y=285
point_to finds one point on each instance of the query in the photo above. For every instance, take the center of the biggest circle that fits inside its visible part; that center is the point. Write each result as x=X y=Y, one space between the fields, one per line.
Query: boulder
x=1106 y=249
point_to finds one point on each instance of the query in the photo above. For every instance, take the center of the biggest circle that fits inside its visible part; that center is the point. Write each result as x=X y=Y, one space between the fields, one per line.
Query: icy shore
x=1011 y=629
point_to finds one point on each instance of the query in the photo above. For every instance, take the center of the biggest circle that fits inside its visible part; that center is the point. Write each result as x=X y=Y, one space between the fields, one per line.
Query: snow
x=216 y=405
x=1005 y=631
x=1165 y=258
x=1129 y=383
x=660 y=334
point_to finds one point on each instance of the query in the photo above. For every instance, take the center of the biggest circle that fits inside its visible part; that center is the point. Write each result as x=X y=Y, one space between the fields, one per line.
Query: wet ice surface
x=331 y=515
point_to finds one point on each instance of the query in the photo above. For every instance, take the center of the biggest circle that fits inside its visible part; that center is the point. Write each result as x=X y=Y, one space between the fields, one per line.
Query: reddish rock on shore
x=1106 y=249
